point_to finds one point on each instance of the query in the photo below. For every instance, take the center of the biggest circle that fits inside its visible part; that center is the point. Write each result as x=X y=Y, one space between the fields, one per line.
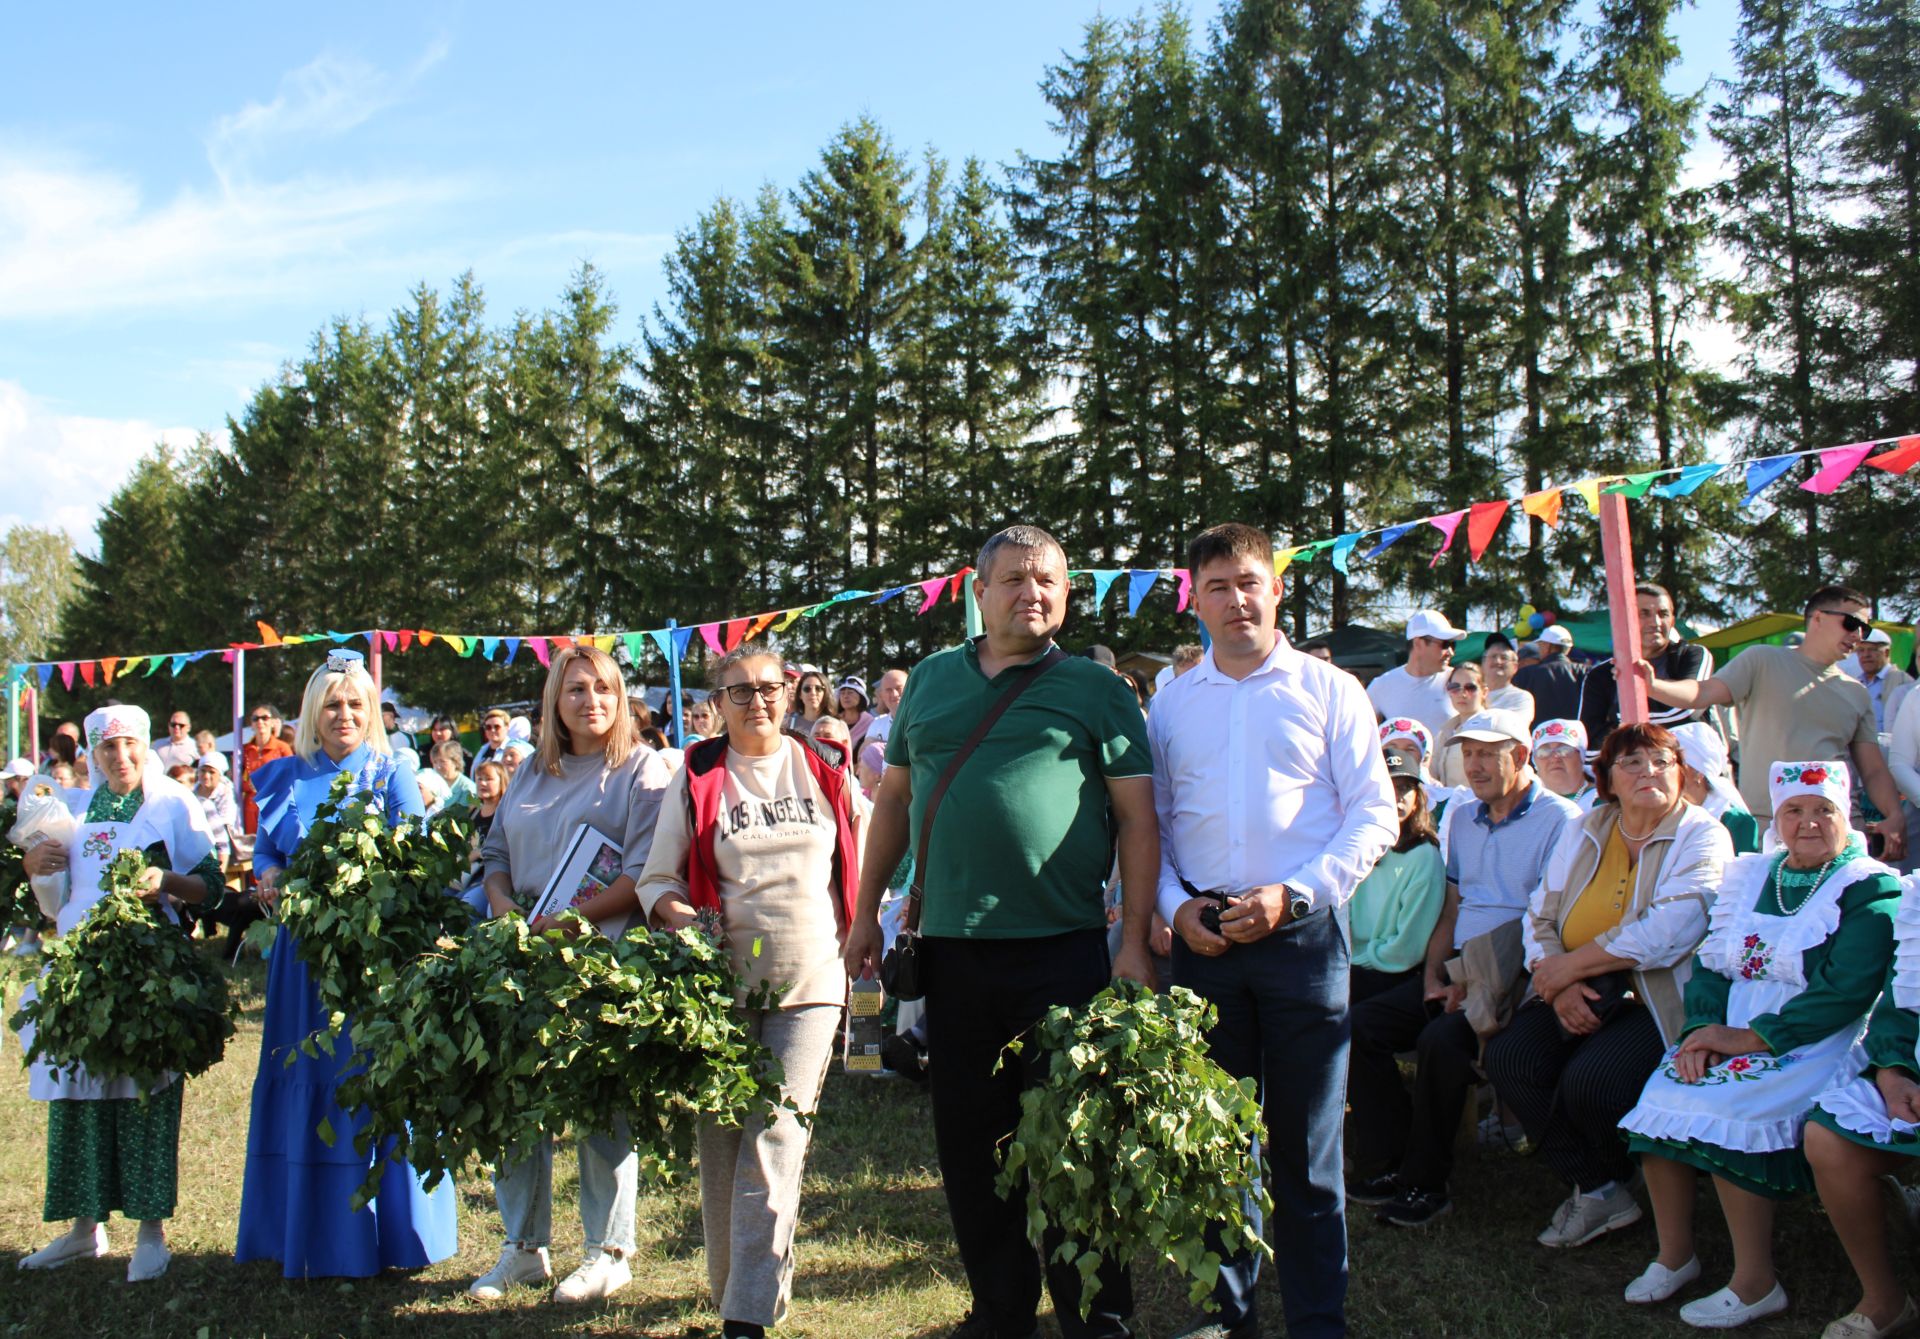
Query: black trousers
x=1390 y=1129
x=1363 y=983
x=1571 y=1094
x=236 y=913
x=981 y=994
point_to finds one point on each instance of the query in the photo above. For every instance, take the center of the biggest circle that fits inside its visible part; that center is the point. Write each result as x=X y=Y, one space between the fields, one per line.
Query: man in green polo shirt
x=1013 y=918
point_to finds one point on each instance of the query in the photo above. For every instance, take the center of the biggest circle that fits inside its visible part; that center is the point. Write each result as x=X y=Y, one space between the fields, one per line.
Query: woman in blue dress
x=296 y=1206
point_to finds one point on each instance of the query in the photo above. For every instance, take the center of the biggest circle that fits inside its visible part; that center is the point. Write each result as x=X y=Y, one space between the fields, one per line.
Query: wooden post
x=373 y=666
x=1616 y=547
x=239 y=718
x=14 y=689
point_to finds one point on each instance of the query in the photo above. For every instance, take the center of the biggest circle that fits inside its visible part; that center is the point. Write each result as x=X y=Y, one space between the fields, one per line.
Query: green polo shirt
x=1020 y=847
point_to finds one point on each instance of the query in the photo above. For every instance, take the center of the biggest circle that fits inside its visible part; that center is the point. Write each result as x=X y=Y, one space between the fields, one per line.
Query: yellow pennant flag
x=1283 y=559
x=1590 y=490
x=605 y=643
x=786 y=619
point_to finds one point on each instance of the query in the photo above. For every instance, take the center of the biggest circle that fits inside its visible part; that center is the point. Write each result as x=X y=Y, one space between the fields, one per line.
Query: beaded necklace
x=1800 y=878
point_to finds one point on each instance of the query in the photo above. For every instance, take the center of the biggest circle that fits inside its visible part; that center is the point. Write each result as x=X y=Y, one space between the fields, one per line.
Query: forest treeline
x=1326 y=264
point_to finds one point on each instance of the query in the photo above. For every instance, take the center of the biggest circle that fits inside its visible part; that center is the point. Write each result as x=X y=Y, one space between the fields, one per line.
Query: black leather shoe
x=1374 y=1190
x=1416 y=1208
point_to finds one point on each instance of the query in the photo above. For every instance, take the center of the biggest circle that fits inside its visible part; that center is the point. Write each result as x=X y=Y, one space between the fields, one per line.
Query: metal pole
x=673 y=690
x=1616 y=547
x=33 y=726
x=239 y=716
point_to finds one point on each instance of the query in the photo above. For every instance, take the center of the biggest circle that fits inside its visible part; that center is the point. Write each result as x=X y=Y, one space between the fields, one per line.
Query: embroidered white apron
x=1757 y=1103
x=1856 y=1104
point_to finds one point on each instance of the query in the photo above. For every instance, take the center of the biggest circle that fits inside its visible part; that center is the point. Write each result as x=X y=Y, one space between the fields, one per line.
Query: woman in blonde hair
x=590 y=770
x=295 y=1205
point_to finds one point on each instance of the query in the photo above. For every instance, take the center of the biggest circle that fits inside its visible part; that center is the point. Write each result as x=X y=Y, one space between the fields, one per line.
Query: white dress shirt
x=1398 y=693
x=1274 y=778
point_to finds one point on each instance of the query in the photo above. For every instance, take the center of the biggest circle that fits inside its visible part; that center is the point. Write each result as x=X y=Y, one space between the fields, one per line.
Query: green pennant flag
x=1636 y=485
x=633 y=641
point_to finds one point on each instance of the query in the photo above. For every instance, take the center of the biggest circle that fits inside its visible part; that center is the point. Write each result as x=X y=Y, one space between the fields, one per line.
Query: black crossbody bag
x=900 y=967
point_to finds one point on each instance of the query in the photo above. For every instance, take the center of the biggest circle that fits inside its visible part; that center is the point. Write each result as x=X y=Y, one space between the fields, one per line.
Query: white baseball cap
x=1556 y=636
x=1878 y=637
x=19 y=767
x=213 y=762
x=1432 y=623
x=1493 y=727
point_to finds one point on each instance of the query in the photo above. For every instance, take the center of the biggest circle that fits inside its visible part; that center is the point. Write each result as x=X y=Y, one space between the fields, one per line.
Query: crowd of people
x=1665 y=948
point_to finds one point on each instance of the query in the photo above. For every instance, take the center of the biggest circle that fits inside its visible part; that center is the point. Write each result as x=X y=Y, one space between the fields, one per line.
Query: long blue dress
x=296 y=1203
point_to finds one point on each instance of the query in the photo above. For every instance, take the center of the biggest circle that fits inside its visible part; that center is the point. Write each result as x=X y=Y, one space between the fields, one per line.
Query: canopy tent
x=1774 y=629
x=1592 y=637
x=1359 y=647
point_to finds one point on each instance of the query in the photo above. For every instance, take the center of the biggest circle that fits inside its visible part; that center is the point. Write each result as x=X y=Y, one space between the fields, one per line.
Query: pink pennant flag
x=539 y=645
x=66 y=673
x=1836 y=463
x=392 y=639
x=710 y=634
x=930 y=593
x=1186 y=589
x=1446 y=525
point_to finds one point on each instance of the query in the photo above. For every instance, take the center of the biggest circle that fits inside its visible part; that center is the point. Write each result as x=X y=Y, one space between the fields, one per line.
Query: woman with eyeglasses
x=263 y=746
x=757 y=837
x=1560 y=757
x=811 y=695
x=591 y=770
x=1467 y=694
x=1618 y=915
x=1797 y=948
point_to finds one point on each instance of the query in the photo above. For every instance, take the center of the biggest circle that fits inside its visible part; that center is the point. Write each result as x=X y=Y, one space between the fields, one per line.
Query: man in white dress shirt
x=1274 y=800
x=1419 y=687
x=179 y=750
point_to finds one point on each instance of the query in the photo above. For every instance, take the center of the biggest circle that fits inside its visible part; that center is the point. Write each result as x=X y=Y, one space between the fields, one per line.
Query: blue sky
x=186 y=193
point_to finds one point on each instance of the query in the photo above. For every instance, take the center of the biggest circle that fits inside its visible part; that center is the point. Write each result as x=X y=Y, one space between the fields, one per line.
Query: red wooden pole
x=1616 y=547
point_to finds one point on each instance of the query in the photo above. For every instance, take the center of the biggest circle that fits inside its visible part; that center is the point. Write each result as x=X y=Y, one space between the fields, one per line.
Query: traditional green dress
x=1799 y=957
x=108 y=1150
x=1855 y=1109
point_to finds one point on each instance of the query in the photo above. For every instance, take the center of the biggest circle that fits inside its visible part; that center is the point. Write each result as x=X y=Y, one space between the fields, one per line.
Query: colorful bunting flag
x=1186 y=589
x=46 y=674
x=1138 y=584
x=736 y=632
x=760 y=624
x=1391 y=536
x=710 y=634
x=489 y=647
x=1341 y=548
x=179 y=663
x=786 y=619
x=930 y=593
x=87 y=667
x=1283 y=560
x=1836 y=463
x=1103 y=580
x=426 y=638
x=1761 y=473
x=66 y=675
x=1447 y=525
x=1687 y=481
x=1636 y=485
x=406 y=639
x=268 y=637
x=1899 y=460
x=1545 y=504
x=1590 y=490
x=107 y=665
x=540 y=652
x=153 y=663
x=1484 y=520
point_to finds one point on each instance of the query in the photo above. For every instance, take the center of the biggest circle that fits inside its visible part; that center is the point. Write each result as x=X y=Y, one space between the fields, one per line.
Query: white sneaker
x=1582 y=1218
x=1658 y=1283
x=150 y=1261
x=66 y=1249
x=600 y=1275
x=1724 y=1310
x=514 y=1268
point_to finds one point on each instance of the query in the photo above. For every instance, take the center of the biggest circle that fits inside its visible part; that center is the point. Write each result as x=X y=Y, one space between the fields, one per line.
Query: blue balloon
x=1537 y=621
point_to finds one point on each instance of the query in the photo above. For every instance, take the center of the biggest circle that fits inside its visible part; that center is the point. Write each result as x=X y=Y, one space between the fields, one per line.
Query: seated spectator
x=1903 y=762
x=1608 y=938
x=1498 y=663
x=398 y=738
x=1671 y=656
x=1882 y=681
x=1554 y=682
x=1704 y=781
x=489 y=786
x=1560 y=756
x=1419 y=688
x=1866 y=1131
x=1499 y=842
x=1796 y=952
x=449 y=762
x=434 y=790
x=497 y=739
x=1467 y=693
x=701 y=720
x=1396 y=906
x=210 y=783
x=1407 y=738
x=183 y=773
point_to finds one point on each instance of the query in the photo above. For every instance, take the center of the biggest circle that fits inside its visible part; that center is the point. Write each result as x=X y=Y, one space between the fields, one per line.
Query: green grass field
x=874 y=1254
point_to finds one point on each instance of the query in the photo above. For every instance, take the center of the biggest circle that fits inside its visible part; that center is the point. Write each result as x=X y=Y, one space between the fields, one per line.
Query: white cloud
x=66 y=466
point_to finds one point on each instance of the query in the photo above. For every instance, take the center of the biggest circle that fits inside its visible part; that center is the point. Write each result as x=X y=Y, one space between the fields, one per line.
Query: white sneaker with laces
x=515 y=1267
x=1724 y=1310
x=1582 y=1218
x=1657 y=1283
x=601 y=1274
x=68 y=1248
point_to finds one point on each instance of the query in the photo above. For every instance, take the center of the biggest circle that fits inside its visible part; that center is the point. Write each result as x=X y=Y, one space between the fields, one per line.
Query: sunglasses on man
x=1851 y=622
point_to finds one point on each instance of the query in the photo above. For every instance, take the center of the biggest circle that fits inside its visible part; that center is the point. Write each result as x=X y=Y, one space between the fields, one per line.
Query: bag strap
x=981 y=730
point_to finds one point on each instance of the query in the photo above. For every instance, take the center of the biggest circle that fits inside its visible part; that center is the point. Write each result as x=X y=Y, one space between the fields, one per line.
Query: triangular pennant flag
x=392 y=639
x=339 y=637
x=710 y=634
x=1636 y=485
x=1446 y=525
x=736 y=632
x=466 y=646
x=1186 y=589
x=1761 y=473
x=489 y=647
x=406 y=639
x=1484 y=520
x=604 y=641
x=511 y=643
x=1388 y=539
x=107 y=666
x=1687 y=481
x=672 y=642
x=426 y=637
x=1590 y=490
x=153 y=663
x=179 y=663
x=195 y=657
x=786 y=619
x=227 y=655
x=1836 y=463
x=1283 y=560
x=959 y=578
x=373 y=639
x=1103 y=580
x=559 y=643
x=930 y=593
x=268 y=637
x=1902 y=458
x=66 y=674
x=883 y=596
x=46 y=673
x=760 y=624
x=633 y=641
x=1342 y=547
x=87 y=668
x=539 y=645
x=1544 y=504
x=1138 y=584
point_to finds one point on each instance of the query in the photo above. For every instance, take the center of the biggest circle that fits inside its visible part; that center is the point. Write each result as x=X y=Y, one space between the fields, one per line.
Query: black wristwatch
x=1299 y=905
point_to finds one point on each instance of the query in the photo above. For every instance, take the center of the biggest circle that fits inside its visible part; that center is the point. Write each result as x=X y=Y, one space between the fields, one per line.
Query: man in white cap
x=18 y=770
x=1496 y=853
x=1883 y=681
x=1419 y=687
x=1554 y=681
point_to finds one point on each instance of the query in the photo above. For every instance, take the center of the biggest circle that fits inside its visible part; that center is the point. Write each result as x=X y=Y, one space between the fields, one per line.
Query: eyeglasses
x=1851 y=622
x=740 y=694
x=1637 y=763
x=261 y=720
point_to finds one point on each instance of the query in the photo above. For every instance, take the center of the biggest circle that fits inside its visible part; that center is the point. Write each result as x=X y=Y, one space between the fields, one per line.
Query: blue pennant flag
x=1389 y=539
x=513 y=648
x=1341 y=548
x=1138 y=584
x=887 y=594
x=1102 y=583
x=1760 y=473
x=339 y=637
x=672 y=642
x=488 y=646
x=180 y=663
x=46 y=672
x=1687 y=481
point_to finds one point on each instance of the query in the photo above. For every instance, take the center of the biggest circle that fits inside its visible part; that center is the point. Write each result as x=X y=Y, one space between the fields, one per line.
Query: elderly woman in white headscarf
x=1704 y=781
x=1797 y=947
x=107 y=1149
x=1559 y=755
